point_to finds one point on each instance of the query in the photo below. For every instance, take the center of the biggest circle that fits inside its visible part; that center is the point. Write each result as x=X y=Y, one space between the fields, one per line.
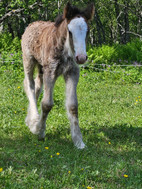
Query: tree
x=114 y=20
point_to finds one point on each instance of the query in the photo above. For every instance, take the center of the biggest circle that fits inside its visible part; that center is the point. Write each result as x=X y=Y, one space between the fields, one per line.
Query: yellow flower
x=35 y=144
x=47 y=148
x=109 y=142
x=69 y=172
x=139 y=97
x=23 y=109
x=136 y=100
x=126 y=176
x=15 y=112
x=82 y=169
x=18 y=87
x=58 y=153
x=83 y=185
x=1 y=169
x=39 y=151
x=135 y=103
x=140 y=100
x=88 y=187
x=51 y=156
x=8 y=89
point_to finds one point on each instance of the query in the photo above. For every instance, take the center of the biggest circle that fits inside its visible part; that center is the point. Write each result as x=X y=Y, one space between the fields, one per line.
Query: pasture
x=110 y=116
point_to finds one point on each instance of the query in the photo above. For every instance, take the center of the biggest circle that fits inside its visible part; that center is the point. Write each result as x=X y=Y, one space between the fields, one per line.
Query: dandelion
x=47 y=148
x=15 y=112
x=82 y=169
x=83 y=185
x=51 y=156
x=109 y=142
x=18 y=87
x=39 y=151
x=57 y=153
x=23 y=109
x=136 y=100
x=140 y=100
x=69 y=172
x=135 y=103
x=88 y=187
x=1 y=169
x=139 y=97
x=126 y=176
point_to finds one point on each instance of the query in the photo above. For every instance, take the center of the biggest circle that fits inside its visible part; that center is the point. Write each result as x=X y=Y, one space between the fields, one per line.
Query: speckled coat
x=50 y=47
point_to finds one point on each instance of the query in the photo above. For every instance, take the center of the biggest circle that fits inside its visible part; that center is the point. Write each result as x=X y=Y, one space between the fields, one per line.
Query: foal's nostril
x=81 y=59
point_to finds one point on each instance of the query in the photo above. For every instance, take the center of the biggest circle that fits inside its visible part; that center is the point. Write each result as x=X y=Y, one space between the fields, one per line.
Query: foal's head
x=78 y=30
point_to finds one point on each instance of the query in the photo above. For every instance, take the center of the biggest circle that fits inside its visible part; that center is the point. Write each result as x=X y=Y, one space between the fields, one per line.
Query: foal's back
x=36 y=37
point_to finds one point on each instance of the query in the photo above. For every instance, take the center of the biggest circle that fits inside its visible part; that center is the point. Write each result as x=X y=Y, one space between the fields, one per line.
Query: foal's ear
x=89 y=12
x=68 y=10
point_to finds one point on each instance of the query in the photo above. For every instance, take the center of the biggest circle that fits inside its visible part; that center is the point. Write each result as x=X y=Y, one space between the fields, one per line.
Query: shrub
x=120 y=54
x=9 y=44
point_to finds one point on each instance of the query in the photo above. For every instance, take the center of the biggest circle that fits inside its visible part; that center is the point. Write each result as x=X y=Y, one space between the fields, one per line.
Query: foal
x=55 y=48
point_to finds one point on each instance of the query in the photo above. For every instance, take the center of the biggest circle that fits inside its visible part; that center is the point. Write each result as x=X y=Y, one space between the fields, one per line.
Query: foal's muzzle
x=81 y=59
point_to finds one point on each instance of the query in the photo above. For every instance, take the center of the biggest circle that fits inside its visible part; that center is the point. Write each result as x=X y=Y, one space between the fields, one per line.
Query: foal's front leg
x=47 y=101
x=71 y=80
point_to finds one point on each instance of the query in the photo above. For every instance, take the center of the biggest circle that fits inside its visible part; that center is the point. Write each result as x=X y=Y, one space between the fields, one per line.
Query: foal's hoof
x=80 y=145
x=41 y=136
x=34 y=130
x=41 y=139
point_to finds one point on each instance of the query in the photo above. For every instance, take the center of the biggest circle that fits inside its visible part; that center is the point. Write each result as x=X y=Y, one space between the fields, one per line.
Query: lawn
x=110 y=116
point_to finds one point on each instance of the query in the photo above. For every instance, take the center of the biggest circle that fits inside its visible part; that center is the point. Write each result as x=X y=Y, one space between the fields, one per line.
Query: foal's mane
x=70 y=15
x=59 y=19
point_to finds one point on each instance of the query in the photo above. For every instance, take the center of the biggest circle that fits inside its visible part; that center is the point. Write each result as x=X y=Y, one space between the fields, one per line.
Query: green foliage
x=120 y=54
x=102 y=55
x=11 y=63
x=7 y=43
x=132 y=51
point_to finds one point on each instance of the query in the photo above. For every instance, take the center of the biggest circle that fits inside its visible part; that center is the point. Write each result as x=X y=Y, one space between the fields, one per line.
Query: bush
x=120 y=54
x=9 y=44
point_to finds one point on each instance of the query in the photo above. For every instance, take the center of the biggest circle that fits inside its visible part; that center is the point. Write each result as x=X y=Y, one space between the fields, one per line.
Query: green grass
x=110 y=115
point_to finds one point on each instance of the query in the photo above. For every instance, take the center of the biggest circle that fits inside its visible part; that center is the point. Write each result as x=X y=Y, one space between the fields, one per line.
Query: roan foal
x=55 y=48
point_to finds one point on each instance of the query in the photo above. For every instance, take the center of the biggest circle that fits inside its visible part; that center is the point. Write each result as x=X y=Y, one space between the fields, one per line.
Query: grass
x=111 y=123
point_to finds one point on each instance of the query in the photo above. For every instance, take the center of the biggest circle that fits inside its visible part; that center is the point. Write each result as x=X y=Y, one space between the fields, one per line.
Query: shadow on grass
x=102 y=162
x=118 y=133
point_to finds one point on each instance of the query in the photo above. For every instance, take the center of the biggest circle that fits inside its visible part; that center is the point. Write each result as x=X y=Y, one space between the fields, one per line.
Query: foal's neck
x=64 y=40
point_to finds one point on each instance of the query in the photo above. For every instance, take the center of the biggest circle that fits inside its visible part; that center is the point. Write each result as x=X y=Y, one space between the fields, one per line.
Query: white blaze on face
x=78 y=27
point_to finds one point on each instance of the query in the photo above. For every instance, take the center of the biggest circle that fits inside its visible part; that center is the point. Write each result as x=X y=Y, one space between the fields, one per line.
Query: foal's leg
x=38 y=82
x=32 y=119
x=71 y=80
x=47 y=101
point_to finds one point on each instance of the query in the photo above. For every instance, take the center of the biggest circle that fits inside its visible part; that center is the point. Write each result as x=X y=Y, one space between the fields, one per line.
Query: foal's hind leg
x=71 y=80
x=32 y=119
x=38 y=82
x=47 y=101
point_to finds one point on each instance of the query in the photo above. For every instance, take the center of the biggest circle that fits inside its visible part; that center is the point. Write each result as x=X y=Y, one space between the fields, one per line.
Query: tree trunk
x=118 y=14
x=100 y=29
x=126 y=19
